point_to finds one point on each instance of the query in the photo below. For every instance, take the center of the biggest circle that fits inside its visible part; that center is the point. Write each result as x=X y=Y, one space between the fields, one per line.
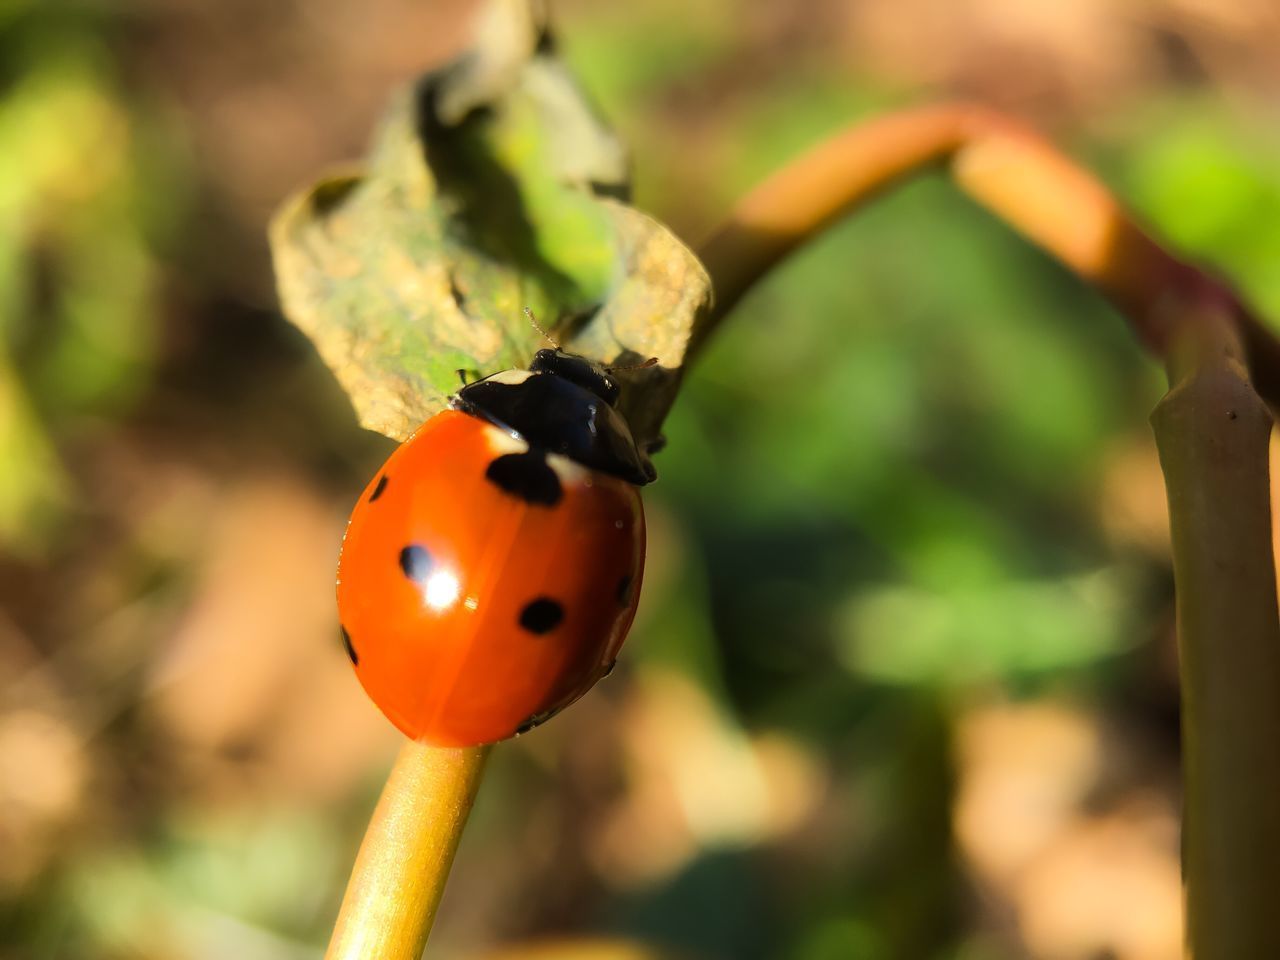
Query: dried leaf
x=492 y=187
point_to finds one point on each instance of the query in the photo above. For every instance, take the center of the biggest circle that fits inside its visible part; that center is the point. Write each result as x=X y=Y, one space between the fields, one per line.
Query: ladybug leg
x=614 y=368
x=535 y=720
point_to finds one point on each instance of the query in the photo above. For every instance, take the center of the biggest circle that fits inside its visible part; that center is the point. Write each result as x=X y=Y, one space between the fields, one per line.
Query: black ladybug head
x=562 y=404
x=585 y=373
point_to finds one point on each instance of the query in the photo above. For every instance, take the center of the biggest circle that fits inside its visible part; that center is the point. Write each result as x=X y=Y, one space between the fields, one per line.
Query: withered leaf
x=492 y=186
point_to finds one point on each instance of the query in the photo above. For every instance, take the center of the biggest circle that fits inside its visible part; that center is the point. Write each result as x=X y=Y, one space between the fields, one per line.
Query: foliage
x=76 y=314
x=918 y=447
x=488 y=193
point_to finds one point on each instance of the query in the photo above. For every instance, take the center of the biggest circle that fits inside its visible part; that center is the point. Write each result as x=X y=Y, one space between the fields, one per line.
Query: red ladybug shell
x=483 y=586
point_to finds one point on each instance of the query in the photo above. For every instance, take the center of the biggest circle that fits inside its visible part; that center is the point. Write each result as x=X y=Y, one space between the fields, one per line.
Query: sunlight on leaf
x=492 y=187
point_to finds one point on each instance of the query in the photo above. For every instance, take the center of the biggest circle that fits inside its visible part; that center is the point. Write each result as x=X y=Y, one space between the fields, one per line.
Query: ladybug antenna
x=545 y=336
x=632 y=366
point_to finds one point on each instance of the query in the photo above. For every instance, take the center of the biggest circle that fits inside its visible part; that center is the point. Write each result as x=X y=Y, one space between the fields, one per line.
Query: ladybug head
x=562 y=404
x=585 y=373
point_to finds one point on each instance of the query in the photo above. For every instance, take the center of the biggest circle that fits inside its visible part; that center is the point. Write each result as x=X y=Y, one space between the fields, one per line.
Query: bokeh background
x=903 y=683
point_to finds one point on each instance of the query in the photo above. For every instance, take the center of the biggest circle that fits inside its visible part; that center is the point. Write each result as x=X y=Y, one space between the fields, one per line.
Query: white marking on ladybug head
x=570 y=472
x=510 y=377
x=502 y=442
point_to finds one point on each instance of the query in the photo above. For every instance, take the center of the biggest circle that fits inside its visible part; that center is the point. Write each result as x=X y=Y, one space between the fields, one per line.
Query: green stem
x=1213 y=430
x=1213 y=433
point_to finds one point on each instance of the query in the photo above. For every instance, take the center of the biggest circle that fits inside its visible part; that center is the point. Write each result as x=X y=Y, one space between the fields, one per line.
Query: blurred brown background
x=903 y=683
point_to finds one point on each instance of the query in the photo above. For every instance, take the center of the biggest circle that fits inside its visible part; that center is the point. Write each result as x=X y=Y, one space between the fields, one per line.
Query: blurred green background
x=903 y=683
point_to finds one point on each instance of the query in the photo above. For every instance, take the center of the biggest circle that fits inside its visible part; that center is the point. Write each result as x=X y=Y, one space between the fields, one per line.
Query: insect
x=491 y=569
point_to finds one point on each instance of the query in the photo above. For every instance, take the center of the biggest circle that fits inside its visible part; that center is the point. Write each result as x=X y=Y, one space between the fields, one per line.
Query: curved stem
x=400 y=872
x=1011 y=171
x=1212 y=431
x=816 y=189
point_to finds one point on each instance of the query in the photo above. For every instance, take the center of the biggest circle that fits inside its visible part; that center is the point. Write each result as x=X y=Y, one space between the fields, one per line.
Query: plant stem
x=400 y=872
x=1008 y=169
x=1213 y=432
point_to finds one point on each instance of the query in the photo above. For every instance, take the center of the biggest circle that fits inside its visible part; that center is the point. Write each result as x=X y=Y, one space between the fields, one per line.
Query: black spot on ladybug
x=609 y=669
x=377 y=491
x=542 y=615
x=624 y=591
x=527 y=476
x=415 y=561
x=351 y=651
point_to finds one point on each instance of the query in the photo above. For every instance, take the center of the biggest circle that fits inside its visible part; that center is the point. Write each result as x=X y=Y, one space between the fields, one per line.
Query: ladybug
x=491 y=569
